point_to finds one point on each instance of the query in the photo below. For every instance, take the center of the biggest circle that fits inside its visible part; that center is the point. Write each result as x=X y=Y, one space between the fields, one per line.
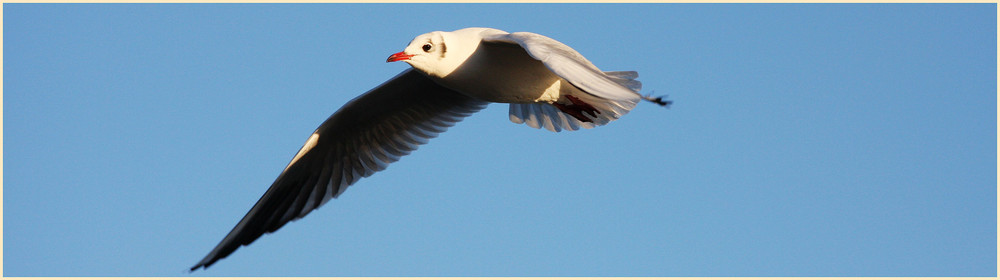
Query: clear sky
x=805 y=140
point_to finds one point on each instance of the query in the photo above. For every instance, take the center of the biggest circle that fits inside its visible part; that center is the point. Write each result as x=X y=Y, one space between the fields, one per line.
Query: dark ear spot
x=443 y=49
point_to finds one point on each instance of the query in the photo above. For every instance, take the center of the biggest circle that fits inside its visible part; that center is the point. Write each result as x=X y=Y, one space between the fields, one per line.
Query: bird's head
x=438 y=53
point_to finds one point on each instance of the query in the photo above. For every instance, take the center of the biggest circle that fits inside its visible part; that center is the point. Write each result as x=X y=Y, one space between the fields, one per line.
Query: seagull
x=453 y=75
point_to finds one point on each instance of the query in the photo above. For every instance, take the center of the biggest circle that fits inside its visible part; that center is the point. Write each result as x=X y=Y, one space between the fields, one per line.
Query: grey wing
x=573 y=67
x=363 y=137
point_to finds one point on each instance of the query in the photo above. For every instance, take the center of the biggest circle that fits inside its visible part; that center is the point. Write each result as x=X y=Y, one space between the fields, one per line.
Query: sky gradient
x=805 y=140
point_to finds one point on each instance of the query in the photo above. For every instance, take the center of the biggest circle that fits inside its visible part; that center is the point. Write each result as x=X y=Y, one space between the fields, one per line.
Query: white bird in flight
x=454 y=74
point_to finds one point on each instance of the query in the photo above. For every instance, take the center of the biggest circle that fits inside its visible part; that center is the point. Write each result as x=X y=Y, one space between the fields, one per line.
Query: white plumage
x=455 y=74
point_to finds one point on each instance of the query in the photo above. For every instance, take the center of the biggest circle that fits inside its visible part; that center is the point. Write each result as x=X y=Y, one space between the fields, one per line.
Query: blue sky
x=805 y=140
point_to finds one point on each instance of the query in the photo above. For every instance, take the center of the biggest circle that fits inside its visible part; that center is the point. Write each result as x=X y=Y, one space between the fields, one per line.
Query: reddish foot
x=577 y=108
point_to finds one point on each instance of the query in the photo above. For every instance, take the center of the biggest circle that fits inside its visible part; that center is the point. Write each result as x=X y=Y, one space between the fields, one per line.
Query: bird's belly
x=511 y=90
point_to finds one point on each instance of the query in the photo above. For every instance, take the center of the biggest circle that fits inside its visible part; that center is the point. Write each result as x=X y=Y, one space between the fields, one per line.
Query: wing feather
x=363 y=137
x=570 y=65
x=614 y=94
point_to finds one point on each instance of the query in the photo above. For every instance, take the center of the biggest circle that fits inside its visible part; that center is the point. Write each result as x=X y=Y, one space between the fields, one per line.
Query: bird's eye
x=427 y=47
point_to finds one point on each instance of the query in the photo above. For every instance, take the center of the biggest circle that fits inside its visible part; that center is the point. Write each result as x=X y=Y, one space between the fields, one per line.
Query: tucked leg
x=577 y=108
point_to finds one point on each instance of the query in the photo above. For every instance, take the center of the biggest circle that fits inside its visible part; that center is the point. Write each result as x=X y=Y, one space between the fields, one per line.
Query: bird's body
x=516 y=77
x=454 y=75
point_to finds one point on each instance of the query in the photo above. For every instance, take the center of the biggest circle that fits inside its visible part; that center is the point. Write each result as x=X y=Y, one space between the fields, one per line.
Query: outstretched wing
x=613 y=94
x=573 y=67
x=363 y=137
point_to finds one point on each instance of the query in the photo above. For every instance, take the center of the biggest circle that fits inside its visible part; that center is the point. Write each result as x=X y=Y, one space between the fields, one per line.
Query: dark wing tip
x=206 y=262
x=197 y=266
x=431 y=107
x=659 y=100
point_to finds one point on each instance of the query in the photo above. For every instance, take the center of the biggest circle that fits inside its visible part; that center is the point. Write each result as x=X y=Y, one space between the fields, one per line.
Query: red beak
x=398 y=56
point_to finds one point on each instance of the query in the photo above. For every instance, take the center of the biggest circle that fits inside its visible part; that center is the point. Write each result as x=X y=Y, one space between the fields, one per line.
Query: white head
x=438 y=53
